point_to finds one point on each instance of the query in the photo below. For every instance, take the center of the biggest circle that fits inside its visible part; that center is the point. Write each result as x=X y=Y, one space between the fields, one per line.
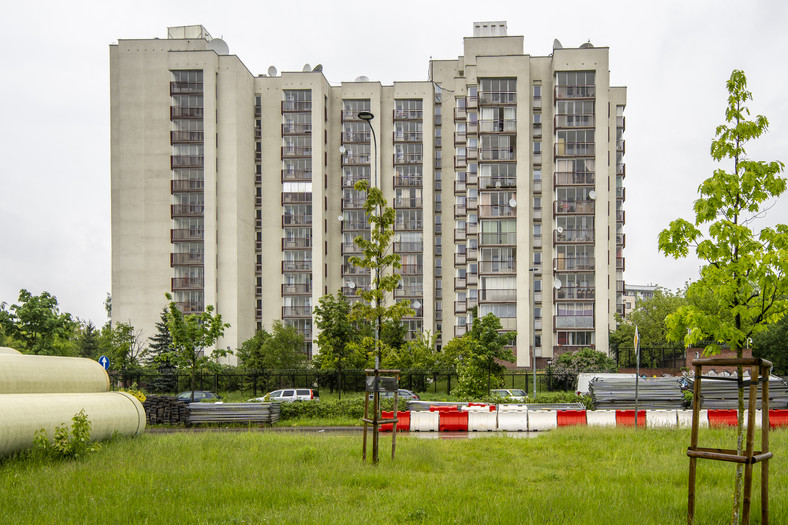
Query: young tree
x=88 y=341
x=339 y=337
x=282 y=349
x=127 y=348
x=383 y=263
x=160 y=342
x=570 y=364
x=191 y=335
x=744 y=272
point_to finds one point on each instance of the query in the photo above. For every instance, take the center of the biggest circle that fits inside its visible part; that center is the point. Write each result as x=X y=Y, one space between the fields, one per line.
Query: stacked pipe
x=724 y=393
x=658 y=393
x=44 y=392
x=165 y=410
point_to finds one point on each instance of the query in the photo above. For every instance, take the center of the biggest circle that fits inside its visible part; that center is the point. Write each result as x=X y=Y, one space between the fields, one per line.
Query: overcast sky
x=674 y=57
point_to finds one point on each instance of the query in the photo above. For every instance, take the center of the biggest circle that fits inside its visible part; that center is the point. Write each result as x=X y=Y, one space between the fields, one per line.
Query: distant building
x=234 y=189
x=635 y=293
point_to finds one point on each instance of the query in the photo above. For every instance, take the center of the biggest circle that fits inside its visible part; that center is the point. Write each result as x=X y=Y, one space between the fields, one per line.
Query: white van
x=584 y=379
x=289 y=395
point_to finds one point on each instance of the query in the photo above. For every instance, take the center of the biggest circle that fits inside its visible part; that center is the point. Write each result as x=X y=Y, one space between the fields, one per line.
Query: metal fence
x=259 y=382
x=650 y=357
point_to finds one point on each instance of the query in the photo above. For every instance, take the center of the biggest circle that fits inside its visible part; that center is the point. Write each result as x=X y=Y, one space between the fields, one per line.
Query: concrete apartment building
x=234 y=189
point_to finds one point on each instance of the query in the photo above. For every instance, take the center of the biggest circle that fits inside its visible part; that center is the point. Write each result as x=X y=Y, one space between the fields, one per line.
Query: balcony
x=296 y=243
x=575 y=92
x=296 y=220
x=472 y=228
x=296 y=175
x=187 y=161
x=296 y=198
x=407 y=158
x=460 y=259
x=573 y=121
x=573 y=321
x=296 y=266
x=187 y=259
x=289 y=152
x=498 y=295
x=408 y=225
x=460 y=114
x=569 y=235
x=472 y=128
x=574 y=149
x=353 y=204
x=408 y=247
x=498 y=126
x=621 y=239
x=187 y=283
x=460 y=162
x=296 y=311
x=585 y=207
x=508 y=266
x=487 y=98
x=184 y=186
x=460 y=138
x=621 y=216
x=355 y=159
x=349 y=181
x=297 y=289
x=412 y=269
x=408 y=202
x=573 y=264
x=472 y=101
x=621 y=122
x=488 y=183
x=621 y=286
x=407 y=181
x=498 y=154
x=187 y=210
x=621 y=170
x=566 y=178
x=409 y=291
x=472 y=254
x=354 y=291
x=621 y=146
x=407 y=136
x=352 y=114
x=620 y=263
x=186 y=112
x=186 y=137
x=296 y=106
x=460 y=235
x=359 y=225
x=356 y=137
x=190 y=307
x=185 y=88
x=459 y=283
x=460 y=210
x=350 y=269
x=408 y=114
x=459 y=331
x=460 y=307
x=574 y=293
x=493 y=239
x=187 y=234
x=472 y=153
x=459 y=186
x=621 y=193
x=350 y=248
x=291 y=128
x=487 y=211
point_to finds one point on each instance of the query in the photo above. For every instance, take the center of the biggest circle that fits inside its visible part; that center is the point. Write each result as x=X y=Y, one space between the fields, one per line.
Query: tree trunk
x=739 y=446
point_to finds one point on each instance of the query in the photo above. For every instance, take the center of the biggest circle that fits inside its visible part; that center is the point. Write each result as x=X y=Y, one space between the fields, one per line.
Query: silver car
x=511 y=394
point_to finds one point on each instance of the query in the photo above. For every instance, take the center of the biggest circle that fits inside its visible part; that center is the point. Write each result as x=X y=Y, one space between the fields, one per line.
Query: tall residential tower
x=237 y=190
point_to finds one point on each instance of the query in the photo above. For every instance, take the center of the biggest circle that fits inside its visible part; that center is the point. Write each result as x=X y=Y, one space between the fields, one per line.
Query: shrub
x=64 y=447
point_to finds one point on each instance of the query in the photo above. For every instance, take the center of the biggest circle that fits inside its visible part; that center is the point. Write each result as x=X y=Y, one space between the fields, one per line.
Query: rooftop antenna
x=271 y=71
x=307 y=68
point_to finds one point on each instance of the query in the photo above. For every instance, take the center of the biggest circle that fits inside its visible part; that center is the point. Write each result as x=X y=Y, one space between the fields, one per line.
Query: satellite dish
x=341 y=218
x=318 y=68
x=416 y=304
x=307 y=68
x=220 y=46
x=351 y=284
x=592 y=195
x=560 y=230
x=557 y=44
x=271 y=71
x=342 y=150
x=557 y=283
x=587 y=45
x=362 y=78
x=512 y=203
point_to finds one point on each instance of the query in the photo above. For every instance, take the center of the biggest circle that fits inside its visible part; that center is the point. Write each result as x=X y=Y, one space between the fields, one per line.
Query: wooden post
x=765 y=444
x=754 y=371
x=693 y=446
x=366 y=416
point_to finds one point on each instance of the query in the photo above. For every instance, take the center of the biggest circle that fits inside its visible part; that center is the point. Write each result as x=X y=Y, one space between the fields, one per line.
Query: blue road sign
x=104 y=361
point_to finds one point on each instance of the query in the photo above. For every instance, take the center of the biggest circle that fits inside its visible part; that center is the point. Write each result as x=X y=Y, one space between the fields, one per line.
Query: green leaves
x=746 y=272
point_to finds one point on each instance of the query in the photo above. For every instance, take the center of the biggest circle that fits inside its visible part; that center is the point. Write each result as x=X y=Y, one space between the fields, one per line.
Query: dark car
x=199 y=395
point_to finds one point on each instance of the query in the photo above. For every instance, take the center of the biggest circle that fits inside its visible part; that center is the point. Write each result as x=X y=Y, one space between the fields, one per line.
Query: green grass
x=572 y=475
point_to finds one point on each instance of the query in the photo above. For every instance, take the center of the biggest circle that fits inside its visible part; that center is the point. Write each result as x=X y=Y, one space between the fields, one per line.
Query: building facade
x=237 y=190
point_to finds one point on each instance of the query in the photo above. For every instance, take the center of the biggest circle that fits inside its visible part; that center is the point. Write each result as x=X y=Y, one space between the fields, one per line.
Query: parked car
x=401 y=394
x=510 y=394
x=199 y=395
x=288 y=395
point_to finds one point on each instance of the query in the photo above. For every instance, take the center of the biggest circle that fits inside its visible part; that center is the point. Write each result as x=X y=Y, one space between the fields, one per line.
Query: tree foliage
x=383 y=263
x=476 y=355
x=125 y=347
x=37 y=323
x=744 y=272
x=570 y=364
x=191 y=335
x=772 y=344
x=649 y=316
x=282 y=349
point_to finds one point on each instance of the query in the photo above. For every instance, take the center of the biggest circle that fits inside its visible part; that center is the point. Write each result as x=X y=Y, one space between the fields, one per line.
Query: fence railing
x=258 y=383
x=651 y=357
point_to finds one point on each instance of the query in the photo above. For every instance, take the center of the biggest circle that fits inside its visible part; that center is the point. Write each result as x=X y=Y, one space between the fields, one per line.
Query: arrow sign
x=104 y=362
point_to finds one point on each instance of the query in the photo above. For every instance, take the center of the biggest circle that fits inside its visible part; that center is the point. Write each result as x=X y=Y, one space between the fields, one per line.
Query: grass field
x=571 y=475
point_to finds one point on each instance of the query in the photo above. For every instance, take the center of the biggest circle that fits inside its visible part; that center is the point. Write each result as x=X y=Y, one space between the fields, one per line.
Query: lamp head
x=365 y=115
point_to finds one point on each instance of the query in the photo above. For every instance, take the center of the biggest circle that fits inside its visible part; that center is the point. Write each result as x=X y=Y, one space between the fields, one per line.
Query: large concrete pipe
x=41 y=374
x=108 y=412
x=7 y=350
